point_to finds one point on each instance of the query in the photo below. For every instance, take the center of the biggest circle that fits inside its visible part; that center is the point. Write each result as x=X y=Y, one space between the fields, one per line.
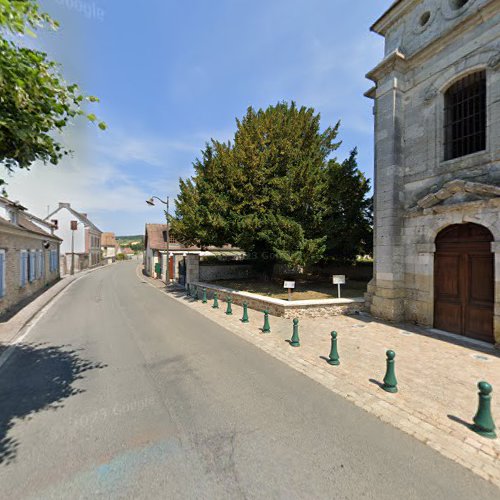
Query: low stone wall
x=283 y=308
x=212 y=272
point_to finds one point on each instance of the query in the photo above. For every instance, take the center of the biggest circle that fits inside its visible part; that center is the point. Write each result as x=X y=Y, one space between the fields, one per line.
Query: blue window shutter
x=42 y=264
x=23 y=267
x=31 y=276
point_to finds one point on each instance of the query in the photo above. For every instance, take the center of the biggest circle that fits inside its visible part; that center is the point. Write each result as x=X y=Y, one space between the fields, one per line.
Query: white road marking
x=33 y=322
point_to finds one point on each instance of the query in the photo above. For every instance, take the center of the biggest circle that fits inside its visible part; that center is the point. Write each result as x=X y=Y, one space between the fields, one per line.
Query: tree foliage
x=348 y=219
x=35 y=100
x=265 y=193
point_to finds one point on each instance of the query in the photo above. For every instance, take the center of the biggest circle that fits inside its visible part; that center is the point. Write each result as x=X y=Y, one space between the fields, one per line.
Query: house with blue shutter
x=29 y=256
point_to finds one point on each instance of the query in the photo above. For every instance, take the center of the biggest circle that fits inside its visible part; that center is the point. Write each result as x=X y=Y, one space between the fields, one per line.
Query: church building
x=437 y=167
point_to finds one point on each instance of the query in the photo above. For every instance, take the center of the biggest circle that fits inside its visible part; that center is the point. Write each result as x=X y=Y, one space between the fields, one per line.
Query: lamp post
x=151 y=202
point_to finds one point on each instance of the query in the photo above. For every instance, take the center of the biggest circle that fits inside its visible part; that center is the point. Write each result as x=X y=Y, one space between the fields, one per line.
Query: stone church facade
x=437 y=167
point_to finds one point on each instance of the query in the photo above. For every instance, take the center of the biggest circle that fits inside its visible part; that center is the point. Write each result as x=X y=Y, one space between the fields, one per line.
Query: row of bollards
x=483 y=425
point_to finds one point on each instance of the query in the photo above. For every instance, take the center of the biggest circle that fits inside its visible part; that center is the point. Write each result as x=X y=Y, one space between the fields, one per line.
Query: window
x=23 y=268
x=31 y=265
x=465 y=116
x=2 y=273
x=53 y=261
x=42 y=263
x=171 y=238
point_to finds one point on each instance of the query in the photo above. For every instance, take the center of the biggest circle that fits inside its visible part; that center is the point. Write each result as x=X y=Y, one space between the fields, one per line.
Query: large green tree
x=348 y=219
x=35 y=100
x=265 y=192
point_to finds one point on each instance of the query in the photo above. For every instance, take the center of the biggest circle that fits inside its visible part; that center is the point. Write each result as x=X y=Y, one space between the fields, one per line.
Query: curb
x=11 y=330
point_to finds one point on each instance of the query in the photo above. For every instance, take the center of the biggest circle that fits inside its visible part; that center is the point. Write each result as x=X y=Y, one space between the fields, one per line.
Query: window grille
x=465 y=116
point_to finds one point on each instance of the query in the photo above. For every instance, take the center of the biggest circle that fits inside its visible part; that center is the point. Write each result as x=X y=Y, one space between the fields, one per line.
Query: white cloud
x=87 y=187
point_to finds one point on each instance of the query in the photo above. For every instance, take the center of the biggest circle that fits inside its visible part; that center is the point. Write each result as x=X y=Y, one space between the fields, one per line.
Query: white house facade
x=81 y=238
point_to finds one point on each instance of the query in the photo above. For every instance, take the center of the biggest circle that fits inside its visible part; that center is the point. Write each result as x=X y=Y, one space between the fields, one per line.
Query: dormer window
x=14 y=217
x=465 y=116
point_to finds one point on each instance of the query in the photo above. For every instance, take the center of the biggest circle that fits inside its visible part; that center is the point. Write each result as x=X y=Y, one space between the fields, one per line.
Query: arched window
x=465 y=116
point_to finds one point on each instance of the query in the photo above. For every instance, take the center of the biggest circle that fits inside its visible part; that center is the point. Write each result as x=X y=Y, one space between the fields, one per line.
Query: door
x=464 y=281
x=171 y=268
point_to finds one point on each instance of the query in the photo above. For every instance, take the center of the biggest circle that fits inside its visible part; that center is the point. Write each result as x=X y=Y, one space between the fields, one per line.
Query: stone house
x=437 y=166
x=29 y=256
x=155 y=253
x=109 y=247
x=84 y=241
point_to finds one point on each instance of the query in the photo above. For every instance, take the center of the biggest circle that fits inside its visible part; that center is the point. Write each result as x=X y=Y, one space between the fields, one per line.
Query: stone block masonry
x=283 y=308
x=430 y=46
x=15 y=295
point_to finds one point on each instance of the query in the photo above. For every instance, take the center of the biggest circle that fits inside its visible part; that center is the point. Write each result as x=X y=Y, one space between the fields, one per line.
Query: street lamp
x=151 y=202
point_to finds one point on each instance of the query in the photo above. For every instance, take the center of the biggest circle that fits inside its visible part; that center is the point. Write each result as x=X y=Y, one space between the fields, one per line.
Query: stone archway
x=464 y=281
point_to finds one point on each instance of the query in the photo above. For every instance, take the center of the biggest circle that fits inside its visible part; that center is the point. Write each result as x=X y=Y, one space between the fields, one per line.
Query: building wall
x=64 y=218
x=13 y=242
x=409 y=152
x=213 y=272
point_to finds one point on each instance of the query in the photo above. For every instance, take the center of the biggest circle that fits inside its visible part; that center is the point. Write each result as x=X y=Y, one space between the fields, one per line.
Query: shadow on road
x=36 y=377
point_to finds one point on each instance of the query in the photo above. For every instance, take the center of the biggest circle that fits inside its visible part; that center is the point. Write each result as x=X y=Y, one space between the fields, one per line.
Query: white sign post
x=290 y=285
x=339 y=279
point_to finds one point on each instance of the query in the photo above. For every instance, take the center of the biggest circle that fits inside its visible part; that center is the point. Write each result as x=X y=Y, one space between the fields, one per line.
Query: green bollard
x=295 y=342
x=390 y=382
x=483 y=421
x=267 y=327
x=216 y=302
x=245 y=313
x=188 y=290
x=196 y=297
x=204 y=301
x=229 y=310
x=334 y=355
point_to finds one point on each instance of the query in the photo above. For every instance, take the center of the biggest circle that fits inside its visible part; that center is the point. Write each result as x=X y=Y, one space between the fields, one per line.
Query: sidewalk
x=437 y=377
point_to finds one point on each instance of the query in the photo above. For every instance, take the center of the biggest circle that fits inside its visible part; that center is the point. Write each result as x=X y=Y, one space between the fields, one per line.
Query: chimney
x=64 y=205
x=85 y=215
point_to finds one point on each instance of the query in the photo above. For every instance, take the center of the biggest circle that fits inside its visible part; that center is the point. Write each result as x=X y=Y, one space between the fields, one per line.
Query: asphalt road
x=121 y=392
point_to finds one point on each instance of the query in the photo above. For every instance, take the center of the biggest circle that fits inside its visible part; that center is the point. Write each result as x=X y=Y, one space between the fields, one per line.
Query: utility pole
x=74 y=227
x=167 y=274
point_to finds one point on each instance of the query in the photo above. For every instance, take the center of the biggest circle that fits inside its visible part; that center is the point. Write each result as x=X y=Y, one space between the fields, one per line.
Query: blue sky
x=173 y=74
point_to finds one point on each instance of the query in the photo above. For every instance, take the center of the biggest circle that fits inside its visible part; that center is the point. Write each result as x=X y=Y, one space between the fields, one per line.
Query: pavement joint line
x=33 y=320
x=446 y=440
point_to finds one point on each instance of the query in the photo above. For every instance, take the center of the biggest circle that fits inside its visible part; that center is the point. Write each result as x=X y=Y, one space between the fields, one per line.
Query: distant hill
x=129 y=239
x=135 y=242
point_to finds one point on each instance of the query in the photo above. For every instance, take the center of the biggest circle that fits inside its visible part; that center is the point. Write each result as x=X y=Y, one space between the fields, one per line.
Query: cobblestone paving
x=437 y=377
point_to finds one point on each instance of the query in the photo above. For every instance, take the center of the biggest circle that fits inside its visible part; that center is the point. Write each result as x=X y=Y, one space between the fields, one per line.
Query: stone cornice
x=396 y=10
x=458 y=186
x=371 y=93
x=394 y=61
x=433 y=202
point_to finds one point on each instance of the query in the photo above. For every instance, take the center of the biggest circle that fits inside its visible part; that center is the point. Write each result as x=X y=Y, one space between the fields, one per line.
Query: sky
x=171 y=75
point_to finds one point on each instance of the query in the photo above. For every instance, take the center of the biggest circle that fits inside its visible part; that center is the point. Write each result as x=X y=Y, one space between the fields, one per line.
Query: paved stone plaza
x=437 y=377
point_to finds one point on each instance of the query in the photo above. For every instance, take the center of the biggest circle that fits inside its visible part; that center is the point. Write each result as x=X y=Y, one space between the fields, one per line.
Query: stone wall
x=283 y=308
x=15 y=294
x=417 y=192
x=213 y=272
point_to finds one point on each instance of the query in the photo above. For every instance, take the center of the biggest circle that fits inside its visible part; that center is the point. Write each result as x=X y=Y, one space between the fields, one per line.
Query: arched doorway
x=464 y=283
